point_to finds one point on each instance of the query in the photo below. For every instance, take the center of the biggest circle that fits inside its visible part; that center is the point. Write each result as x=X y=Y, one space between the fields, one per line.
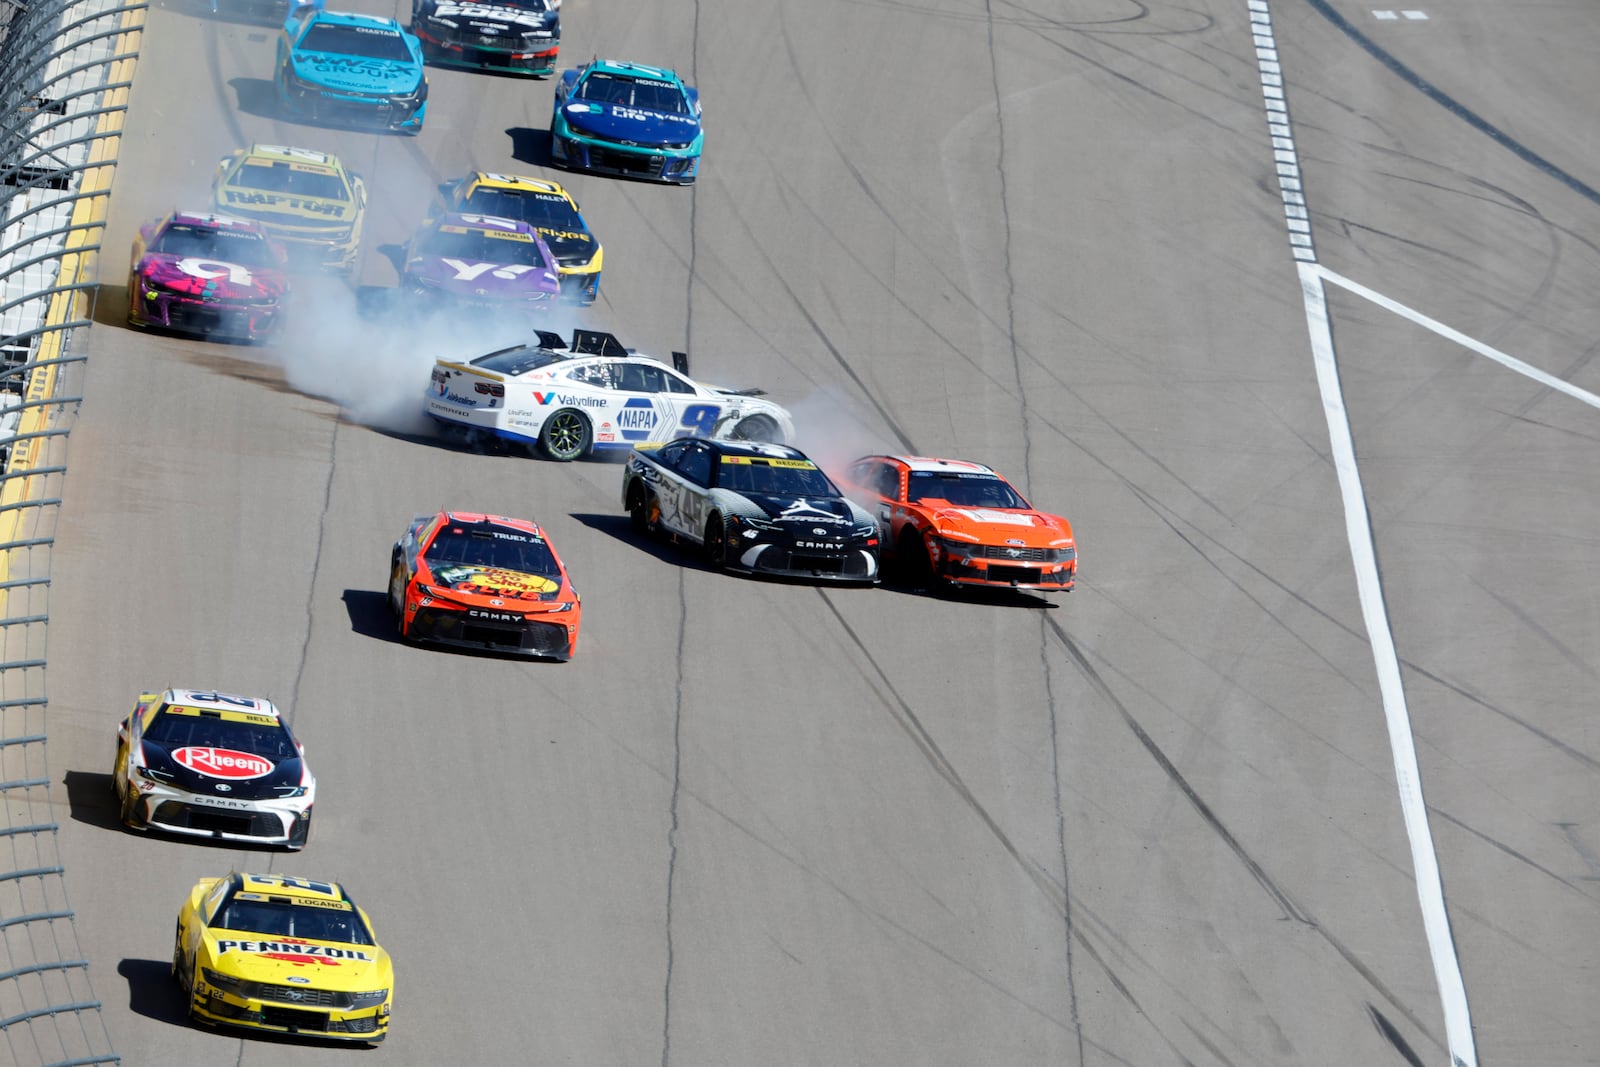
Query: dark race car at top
x=754 y=507
x=511 y=36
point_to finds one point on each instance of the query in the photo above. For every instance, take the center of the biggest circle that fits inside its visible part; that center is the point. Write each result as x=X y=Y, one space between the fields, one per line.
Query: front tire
x=566 y=435
x=397 y=595
x=716 y=543
x=916 y=568
x=759 y=428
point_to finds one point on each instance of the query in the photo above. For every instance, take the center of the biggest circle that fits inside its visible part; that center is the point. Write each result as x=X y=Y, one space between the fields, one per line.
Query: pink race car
x=208 y=275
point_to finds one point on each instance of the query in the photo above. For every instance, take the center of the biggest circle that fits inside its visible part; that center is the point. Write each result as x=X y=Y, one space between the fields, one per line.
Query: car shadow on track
x=90 y=799
x=993 y=597
x=530 y=146
x=668 y=550
x=369 y=614
x=152 y=992
x=256 y=96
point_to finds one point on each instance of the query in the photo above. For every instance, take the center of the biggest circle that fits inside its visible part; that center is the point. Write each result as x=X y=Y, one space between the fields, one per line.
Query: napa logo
x=636 y=419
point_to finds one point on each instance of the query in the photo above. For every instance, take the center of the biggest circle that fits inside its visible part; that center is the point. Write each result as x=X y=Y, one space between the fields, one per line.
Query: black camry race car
x=755 y=507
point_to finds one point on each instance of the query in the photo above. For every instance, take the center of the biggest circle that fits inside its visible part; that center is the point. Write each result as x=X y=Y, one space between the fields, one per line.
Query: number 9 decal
x=701 y=418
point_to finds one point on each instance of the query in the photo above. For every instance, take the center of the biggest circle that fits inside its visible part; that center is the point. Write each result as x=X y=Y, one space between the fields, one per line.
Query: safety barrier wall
x=65 y=73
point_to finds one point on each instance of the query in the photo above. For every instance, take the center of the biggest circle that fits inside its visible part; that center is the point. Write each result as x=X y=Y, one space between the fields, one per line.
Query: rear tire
x=716 y=543
x=642 y=509
x=566 y=435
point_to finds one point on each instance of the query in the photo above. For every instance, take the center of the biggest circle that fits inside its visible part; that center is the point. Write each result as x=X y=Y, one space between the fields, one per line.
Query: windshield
x=964 y=490
x=258 y=734
x=368 y=41
x=774 y=477
x=226 y=246
x=322 y=921
x=480 y=246
x=646 y=93
x=539 y=210
x=291 y=179
x=515 y=361
x=494 y=548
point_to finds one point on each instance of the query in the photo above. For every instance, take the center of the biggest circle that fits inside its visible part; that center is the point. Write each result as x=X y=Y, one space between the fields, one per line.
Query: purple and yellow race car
x=480 y=263
x=208 y=275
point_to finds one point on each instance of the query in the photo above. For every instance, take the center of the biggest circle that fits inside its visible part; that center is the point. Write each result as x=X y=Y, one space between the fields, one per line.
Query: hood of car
x=356 y=74
x=473 y=583
x=570 y=249
x=292 y=961
x=284 y=210
x=223 y=772
x=470 y=278
x=618 y=122
x=210 y=279
x=1001 y=526
x=828 y=511
x=495 y=18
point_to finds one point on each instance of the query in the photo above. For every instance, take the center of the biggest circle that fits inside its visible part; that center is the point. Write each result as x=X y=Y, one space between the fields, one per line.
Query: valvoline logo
x=224 y=763
x=636 y=419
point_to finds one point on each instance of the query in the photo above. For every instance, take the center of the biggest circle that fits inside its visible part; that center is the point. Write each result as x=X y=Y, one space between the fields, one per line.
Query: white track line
x=1358 y=529
x=1460 y=338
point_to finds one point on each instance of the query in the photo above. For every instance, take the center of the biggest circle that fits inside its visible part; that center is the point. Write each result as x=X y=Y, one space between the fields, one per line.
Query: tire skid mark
x=1291 y=910
x=1509 y=851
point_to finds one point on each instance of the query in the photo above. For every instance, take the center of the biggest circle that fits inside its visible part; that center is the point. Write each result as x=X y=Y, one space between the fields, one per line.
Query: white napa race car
x=593 y=395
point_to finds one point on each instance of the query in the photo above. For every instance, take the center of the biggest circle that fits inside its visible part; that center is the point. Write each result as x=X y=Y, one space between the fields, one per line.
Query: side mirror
x=680 y=362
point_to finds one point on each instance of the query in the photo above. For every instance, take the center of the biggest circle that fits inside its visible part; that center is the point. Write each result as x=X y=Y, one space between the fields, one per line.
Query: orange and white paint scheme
x=951 y=522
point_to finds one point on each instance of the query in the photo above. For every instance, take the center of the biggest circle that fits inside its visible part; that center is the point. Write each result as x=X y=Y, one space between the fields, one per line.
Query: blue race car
x=341 y=69
x=629 y=120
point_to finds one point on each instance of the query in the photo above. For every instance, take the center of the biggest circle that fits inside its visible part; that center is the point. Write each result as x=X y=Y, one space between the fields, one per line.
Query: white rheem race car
x=592 y=396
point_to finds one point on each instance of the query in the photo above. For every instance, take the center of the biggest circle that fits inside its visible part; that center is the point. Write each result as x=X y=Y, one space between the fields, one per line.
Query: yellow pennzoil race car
x=284 y=955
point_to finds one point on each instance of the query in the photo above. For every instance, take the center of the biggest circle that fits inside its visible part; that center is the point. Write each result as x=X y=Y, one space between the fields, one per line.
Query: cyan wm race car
x=480 y=265
x=762 y=508
x=515 y=36
x=343 y=69
x=595 y=395
x=213 y=765
x=629 y=120
x=549 y=209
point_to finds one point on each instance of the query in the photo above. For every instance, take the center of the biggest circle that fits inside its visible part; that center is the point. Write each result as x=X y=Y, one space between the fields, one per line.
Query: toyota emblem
x=224 y=787
x=818 y=530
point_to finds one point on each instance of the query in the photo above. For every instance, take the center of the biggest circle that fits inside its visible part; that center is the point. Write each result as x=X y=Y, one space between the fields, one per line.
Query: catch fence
x=65 y=73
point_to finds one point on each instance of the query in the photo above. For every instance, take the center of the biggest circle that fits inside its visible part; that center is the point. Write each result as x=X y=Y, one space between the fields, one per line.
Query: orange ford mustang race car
x=483 y=581
x=948 y=521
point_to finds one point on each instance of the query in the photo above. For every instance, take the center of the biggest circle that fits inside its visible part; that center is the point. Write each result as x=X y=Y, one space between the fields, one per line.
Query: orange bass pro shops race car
x=946 y=521
x=483 y=581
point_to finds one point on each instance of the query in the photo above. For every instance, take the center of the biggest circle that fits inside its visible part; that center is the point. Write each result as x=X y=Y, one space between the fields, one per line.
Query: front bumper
x=532 y=57
x=577 y=151
x=185 y=314
x=541 y=636
x=317 y=1014
x=329 y=107
x=580 y=287
x=261 y=822
x=995 y=568
x=845 y=562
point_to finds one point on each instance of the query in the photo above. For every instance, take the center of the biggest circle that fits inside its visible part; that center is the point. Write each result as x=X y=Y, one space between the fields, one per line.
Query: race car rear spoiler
x=599 y=343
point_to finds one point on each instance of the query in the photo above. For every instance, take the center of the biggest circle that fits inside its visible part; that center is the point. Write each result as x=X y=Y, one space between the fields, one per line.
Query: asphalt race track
x=1153 y=821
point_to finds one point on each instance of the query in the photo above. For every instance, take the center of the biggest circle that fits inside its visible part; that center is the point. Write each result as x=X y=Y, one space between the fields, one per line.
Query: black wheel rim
x=565 y=435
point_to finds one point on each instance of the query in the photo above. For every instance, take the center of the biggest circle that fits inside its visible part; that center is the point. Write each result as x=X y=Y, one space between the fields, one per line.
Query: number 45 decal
x=701 y=419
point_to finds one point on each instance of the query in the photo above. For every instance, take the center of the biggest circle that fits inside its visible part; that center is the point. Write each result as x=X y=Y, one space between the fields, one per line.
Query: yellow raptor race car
x=304 y=198
x=281 y=954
